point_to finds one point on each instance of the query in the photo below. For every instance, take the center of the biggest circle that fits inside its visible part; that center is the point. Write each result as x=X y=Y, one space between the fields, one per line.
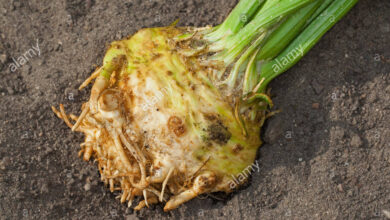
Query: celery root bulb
x=157 y=125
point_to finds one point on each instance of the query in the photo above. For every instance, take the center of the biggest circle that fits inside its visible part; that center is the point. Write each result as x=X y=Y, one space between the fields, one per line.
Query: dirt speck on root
x=218 y=133
x=327 y=161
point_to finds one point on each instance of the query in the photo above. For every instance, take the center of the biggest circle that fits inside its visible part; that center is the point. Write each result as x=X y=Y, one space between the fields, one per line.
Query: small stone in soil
x=274 y=131
x=44 y=188
x=10 y=90
x=340 y=188
x=3 y=58
x=386 y=213
x=338 y=132
x=4 y=163
x=87 y=186
x=356 y=141
x=317 y=87
x=26 y=69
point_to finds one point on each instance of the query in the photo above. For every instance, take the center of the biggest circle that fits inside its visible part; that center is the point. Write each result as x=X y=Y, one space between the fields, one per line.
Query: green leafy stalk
x=323 y=6
x=240 y=15
x=279 y=39
x=305 y=40
x=236 y=43
x=287 y=31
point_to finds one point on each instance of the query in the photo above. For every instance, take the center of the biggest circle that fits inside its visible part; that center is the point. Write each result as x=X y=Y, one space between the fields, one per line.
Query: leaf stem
x=237 y=18
x=305 y=40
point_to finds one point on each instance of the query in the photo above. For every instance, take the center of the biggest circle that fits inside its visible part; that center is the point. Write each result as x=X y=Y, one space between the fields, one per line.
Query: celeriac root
x=167 y=152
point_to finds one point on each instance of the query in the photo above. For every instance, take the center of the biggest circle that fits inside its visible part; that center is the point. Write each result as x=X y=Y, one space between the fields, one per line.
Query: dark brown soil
x=326 y=156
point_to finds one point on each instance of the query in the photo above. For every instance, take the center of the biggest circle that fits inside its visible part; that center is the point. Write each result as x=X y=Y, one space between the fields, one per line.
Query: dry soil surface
x=326 y=156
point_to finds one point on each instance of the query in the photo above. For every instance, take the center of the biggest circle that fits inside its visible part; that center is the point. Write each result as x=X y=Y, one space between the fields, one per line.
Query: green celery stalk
x=305 y=40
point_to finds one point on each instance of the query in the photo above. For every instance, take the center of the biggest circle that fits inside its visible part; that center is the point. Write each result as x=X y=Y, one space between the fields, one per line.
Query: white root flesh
x=81 y=117
x=90 y=78
x=202 y=184
x=124 y=196
x=165 y=183
x=61 y=114
x=101 y=83
x=144 y=203
x=130 y=198
x=138 y=157
x=145 y=197
x=120 y=150
x=111 y=182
